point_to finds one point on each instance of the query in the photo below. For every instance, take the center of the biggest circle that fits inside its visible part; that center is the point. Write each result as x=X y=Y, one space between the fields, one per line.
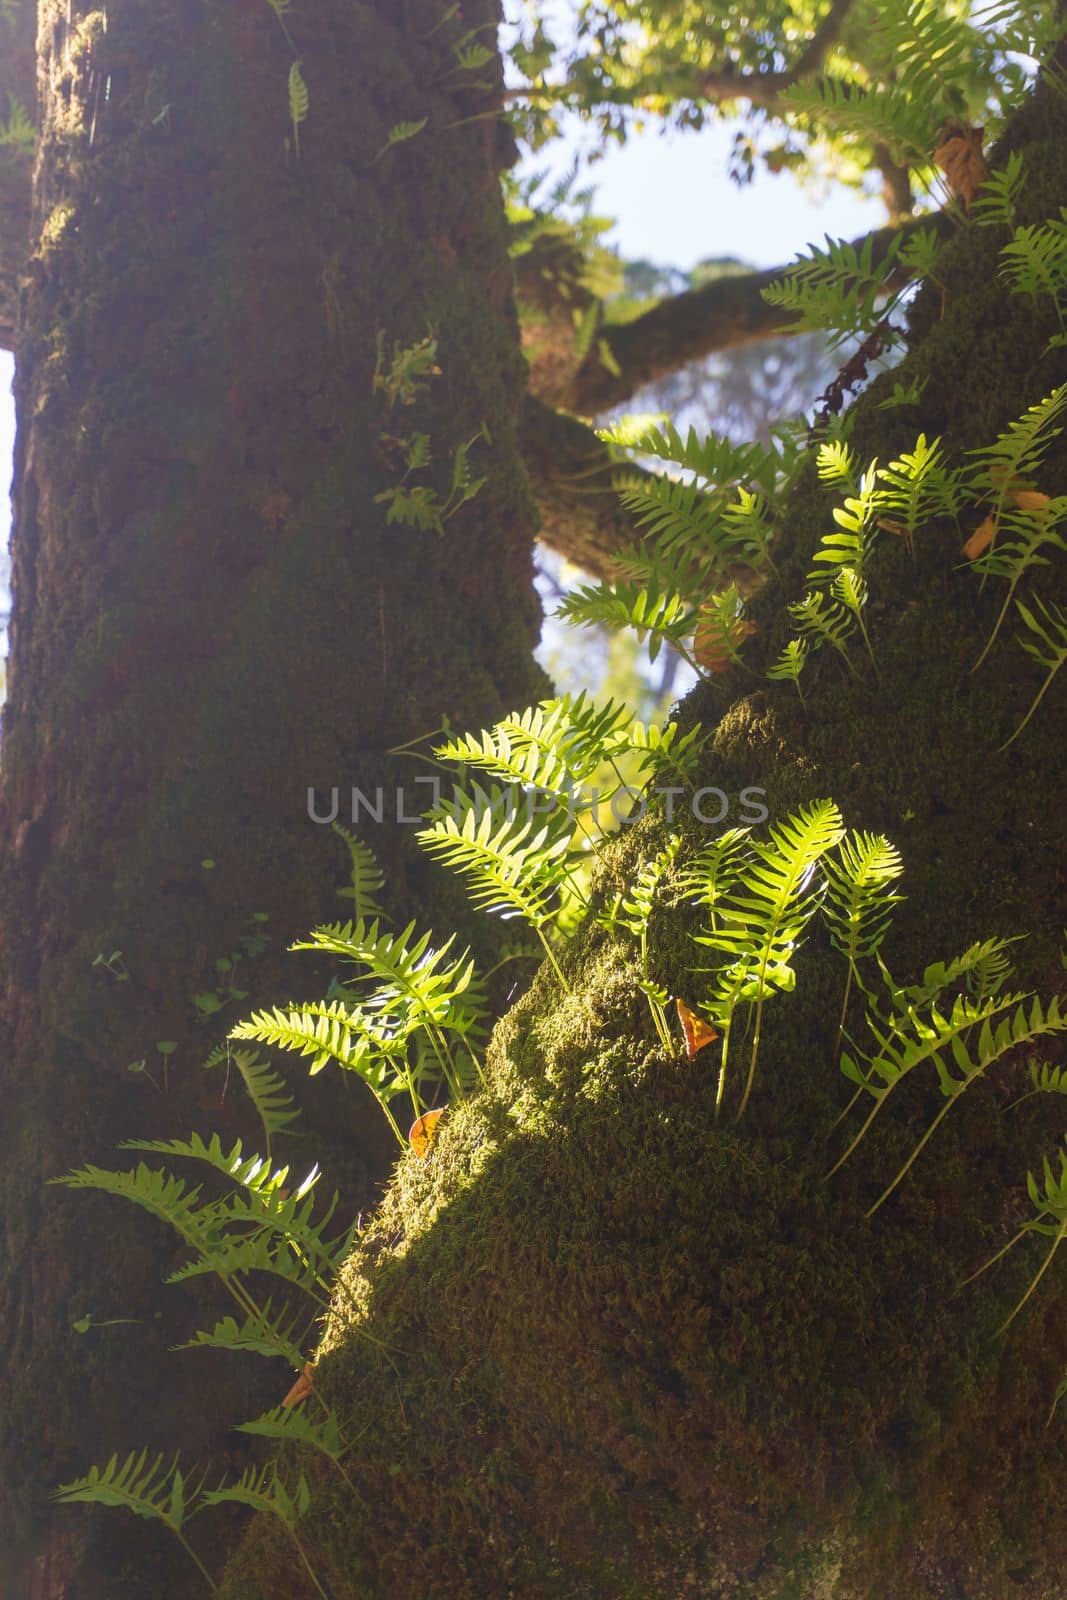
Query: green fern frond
x=822 y=620
x=995 y=204
x=852 y=539
x=259 y=1334
x=400 y=133
x=915 y=489
x=269 y=1093
x=840 y=289
x=168 y=1198
x=291 y=1425
x=325 y=1030
x=299 y=102
x=761 y=919
x=712 y=457
x=1015 y=456
x=858 y=907
x=148 y=1487
x=1047 y=645
x=555 y=746
x=1024 y=535
x=1034 y=262
x=790 y=664
x=18 y=131
x=367 y=880
x=513 y=865
x=836 y=465
x=655 y=610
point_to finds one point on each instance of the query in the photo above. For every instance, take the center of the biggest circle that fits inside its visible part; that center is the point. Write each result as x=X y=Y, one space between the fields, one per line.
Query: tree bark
x=18 y=73
x=210 y=616
x=640 y=1352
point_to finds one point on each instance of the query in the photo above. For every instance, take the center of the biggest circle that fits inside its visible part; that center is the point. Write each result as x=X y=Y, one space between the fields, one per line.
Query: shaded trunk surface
x=637 y=1353
x=211 y=615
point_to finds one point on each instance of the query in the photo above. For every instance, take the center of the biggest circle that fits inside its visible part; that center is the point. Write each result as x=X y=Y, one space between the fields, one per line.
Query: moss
x=624 y=1350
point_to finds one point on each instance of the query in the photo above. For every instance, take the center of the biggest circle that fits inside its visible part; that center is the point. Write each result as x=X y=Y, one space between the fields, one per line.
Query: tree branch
x=18 y=78
x=571 y=474
x=721 y=315
x=764 y=88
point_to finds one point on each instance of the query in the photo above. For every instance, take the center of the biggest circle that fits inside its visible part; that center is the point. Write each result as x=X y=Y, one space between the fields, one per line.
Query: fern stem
x=191 y=1553
x=727 y=1025
x=882 y=1097
x=755 y=1051
x=992 y=1260
x=997 y=625
x=906 y=1168
x=565 y=986
x=1037 y=701
x=1040 y=1274
x=309 y=1569
x=841 y=1028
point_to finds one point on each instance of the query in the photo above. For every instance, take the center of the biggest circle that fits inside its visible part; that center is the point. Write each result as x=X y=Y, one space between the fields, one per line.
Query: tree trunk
x=639 y=1353
x=211 y=615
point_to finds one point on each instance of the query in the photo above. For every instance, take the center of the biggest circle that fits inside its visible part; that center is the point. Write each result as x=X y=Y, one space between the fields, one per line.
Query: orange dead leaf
x=889 y=526
x=698 y=1033
x=1029 y=500
x=301 y=1388
x=424 y=1132
x=959 y=155
x=712 y=645
x=981 y=538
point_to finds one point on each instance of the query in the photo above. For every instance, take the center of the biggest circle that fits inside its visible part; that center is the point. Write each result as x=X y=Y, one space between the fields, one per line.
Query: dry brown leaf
x=981 y=538
x=1029 y=500
x=887 y=525
x=423 y=1132
x=301 y=1388
x=959 y=155
x=698 y=1032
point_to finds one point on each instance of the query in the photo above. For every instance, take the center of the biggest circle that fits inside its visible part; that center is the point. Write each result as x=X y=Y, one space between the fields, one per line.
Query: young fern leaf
x=292 y=1425
x=852 y=540
x=1044 y=1079
x=761 y=919
x=555 y=746
x=858 y=907
x=513 y=866
x=850 y=590
x=274 y=1105
x=1034 y=262
x=632 y=911
x=299 y=103
x=262 y=1490
x=840 y=289
x=915 y=489
x=367 y=879
x=18 y=131
x=836 y=466
x=148 y=1487
x=908 y=1040
x=823 y=621
x=1047 y=645
x=1022 y=1027
x=654 y=609
x=1025 y=534
x=1011 y=461
x=1049 y=1199
x=790 y=665
x=258 y=1334
x=996 y=202
x=400 y=133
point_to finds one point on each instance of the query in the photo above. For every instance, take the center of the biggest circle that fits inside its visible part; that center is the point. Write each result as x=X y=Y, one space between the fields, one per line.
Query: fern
x=915 y=489
x=367 y=880
x=822 y=620
x=263 y=1491
x=713 y=457
x=513 y=866
x=1049 y=1199
x=274 y=1105
x=1044 y=1079
x=859 y=904
x=259 y=1334
x=654 y=609
x=1011 y=461
x=1047 y=644
x=400 y=133
x=149 y=1488
x=632 y=911
x=996 y=203
x=790 y=664
x=555 y=746
x=911 y=1038
x=18 y=132
x=839 y=289
x=761 y=917
x=291 y=1425
x=1034 y=262
x=850 y=542
x=1022 y=1027
x=299 y=103
x=1025 y=534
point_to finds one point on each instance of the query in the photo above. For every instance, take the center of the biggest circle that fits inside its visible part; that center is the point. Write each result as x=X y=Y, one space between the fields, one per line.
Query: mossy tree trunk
x=637 y=1353
x=211 y=615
